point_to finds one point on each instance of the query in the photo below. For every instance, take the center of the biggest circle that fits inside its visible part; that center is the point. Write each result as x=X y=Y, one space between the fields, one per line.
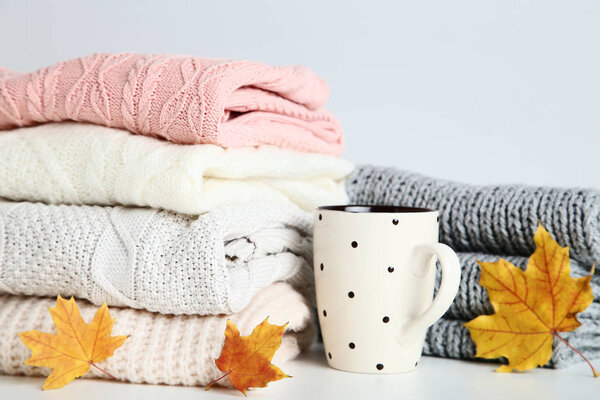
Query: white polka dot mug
x=374 y=275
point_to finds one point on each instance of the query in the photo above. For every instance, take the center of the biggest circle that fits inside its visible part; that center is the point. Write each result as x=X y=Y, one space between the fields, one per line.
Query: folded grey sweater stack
x=485 y=223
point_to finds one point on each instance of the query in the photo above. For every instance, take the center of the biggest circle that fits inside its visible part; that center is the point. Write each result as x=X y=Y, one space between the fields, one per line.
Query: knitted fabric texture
x=472 y=299
x=172 y=350
x=183 y=99
x=449 y=338
x=155 y=260
x=75 y=163
x=490 y=219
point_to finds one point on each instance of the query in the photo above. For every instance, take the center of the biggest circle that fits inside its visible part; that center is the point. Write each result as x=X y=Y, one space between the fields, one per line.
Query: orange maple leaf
x=76 y=346
x=246 y=360
x=531 y=307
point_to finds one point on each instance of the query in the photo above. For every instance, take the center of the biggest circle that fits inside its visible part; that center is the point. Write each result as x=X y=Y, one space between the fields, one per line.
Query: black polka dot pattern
x=417 y=363
x=351 y=294
x=438 y=219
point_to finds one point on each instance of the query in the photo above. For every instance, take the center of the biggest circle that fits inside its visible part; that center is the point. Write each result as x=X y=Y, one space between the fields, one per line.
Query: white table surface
x=435 y=378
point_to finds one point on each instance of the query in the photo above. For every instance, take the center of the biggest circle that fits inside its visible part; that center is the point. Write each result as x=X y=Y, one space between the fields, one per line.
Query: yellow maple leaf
x=246 y=360
x=76 y=346
x=531 y=307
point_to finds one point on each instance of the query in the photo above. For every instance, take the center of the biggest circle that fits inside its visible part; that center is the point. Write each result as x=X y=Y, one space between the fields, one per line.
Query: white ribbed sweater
x=173 y=350
x=77 y=163
x=156 y=260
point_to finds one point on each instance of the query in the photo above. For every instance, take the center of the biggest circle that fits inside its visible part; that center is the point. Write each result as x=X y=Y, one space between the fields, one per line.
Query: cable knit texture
x=472 y=299
x=183 y=99
x=172 y=350
x=75 y=163
x=490 y=219
x=449 y=338
x=155 y=260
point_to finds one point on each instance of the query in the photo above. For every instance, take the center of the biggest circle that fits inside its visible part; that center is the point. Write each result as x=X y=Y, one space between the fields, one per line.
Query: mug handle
x=414 y=328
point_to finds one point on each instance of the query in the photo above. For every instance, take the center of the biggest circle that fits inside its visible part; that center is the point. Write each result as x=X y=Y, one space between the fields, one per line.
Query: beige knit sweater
x=173 y=350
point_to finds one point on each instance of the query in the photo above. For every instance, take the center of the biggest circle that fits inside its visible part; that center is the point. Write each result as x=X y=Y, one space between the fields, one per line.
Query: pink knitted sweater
x=183 y=99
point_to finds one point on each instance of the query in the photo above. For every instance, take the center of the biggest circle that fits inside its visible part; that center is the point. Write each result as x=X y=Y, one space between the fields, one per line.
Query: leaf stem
x=101 y=370
x=216 y=380
x=577 y=351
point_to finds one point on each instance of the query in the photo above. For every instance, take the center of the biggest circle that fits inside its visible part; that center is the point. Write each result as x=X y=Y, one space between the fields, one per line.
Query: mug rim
x=375 y=208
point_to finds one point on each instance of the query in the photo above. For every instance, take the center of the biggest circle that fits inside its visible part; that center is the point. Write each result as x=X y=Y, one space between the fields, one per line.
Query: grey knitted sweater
x=472 y=299
x=449 y=338
x=490 y=219
x=494 y=220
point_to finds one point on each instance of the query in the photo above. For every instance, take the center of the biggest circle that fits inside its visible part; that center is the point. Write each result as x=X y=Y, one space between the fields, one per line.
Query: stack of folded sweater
x=484 y=223
x=175 y=189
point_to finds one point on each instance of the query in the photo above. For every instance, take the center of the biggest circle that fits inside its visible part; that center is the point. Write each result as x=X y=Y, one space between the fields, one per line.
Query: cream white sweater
x=155 y=260
x=173 y=350
x=78 y=163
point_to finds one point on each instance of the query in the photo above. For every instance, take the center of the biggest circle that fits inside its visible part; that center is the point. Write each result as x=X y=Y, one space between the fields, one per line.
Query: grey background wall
x=479 y=91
